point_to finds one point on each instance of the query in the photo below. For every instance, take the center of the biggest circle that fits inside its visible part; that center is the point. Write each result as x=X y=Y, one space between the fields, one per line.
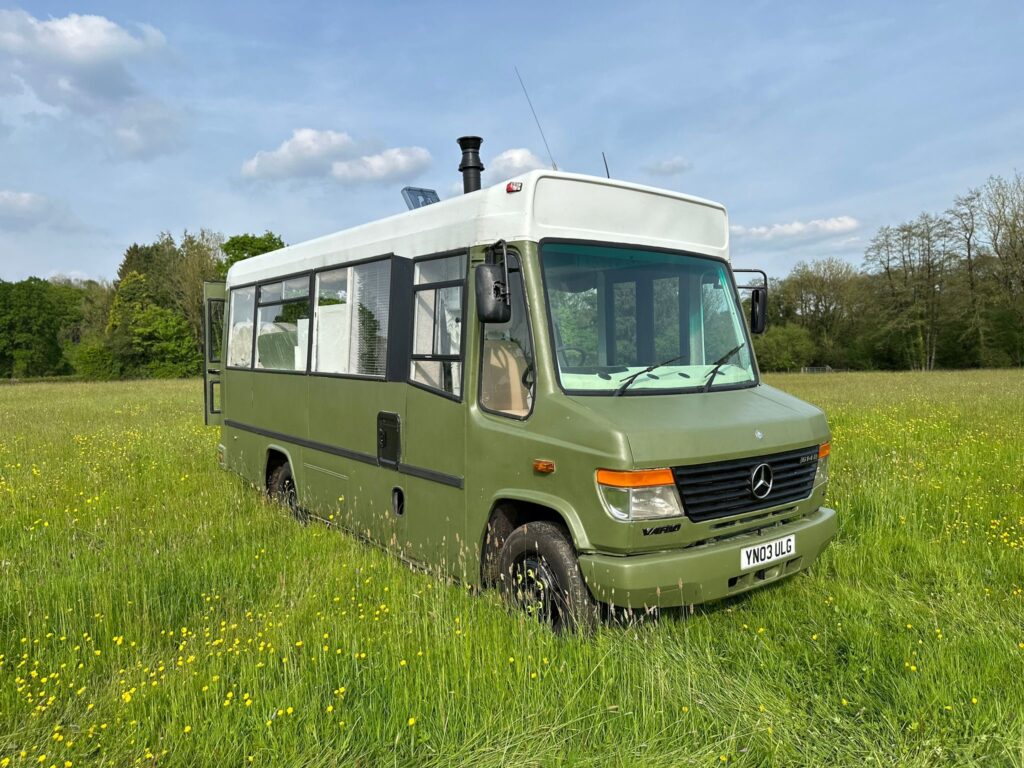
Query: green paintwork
x=443 y=527
x=702 y=573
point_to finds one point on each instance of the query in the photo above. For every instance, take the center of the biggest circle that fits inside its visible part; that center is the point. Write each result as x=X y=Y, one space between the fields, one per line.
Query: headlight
x=646 y=494
x=824 y=451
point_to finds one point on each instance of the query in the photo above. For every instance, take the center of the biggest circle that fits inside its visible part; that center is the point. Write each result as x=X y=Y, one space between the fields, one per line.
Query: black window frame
x=461 y=357
x=310 y=297
x=391 y=258
x=231 y=324
x=258 y=305
x=218 y=347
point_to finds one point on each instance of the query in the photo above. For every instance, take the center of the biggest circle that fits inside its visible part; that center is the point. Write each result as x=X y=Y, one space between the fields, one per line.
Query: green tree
x=145 y=339
x=245 y=246
x=199 y=258
x=31 y=315
x=787 y=347
x=164 y=344
x=156 y=261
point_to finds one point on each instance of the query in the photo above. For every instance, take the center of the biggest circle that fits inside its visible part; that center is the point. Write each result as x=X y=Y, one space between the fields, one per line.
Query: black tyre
x=539 y=574
x=498 y=531
x=281 y=488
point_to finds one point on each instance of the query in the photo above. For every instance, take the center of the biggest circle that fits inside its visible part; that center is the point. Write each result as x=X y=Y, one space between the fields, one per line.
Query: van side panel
x=345 y=480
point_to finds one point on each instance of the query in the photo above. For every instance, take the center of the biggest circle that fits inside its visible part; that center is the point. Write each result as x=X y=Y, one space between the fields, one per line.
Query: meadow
x=156 y=611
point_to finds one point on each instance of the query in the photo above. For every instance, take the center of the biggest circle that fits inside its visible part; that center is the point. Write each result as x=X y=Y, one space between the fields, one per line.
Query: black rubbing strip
x=430 y=474
x=347 y=453
x=366 y=458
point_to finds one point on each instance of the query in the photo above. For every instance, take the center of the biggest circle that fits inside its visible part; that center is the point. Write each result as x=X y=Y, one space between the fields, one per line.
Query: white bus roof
x=551 y=204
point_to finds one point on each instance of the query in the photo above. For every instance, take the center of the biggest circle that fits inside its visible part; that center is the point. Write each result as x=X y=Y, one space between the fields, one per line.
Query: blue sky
x=814 y=123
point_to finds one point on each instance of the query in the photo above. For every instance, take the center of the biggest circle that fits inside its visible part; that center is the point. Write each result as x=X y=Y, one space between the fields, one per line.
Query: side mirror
x=758 y=310
x=492 y=299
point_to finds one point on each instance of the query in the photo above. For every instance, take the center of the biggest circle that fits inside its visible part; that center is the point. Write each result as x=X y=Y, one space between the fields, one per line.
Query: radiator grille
x=723 y=488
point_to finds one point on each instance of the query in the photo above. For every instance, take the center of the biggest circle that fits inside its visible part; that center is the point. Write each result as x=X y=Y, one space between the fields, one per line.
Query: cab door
x=431 y=467
x=214 y=294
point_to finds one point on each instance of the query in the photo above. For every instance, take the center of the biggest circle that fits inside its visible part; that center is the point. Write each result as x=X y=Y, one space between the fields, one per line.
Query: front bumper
x=705 y=572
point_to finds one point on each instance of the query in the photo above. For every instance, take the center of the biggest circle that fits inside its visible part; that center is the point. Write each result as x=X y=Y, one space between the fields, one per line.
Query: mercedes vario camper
x=547 y=385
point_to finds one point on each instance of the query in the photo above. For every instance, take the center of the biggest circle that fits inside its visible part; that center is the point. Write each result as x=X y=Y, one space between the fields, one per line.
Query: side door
x=214 y=295
x=433 y=461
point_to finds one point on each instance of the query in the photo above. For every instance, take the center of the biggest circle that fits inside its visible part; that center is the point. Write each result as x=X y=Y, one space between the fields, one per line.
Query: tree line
x=147 y=323
x=940 y=291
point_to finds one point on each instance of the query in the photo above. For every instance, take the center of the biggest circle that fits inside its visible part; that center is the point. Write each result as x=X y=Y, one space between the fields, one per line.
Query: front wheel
x=539 y=574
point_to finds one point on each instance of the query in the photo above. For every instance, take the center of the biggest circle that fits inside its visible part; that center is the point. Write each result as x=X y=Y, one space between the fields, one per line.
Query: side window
x=716 y=318
x=214 y=329
x=351 y=320
x=282 y=336
x=240 y=340
x=508 y=375
x=437 y=323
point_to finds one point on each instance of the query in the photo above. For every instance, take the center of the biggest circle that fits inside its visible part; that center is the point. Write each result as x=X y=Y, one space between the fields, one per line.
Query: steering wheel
x=577 y=350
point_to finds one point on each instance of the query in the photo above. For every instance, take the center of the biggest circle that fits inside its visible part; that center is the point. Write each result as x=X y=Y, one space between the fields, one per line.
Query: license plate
x=771 y=551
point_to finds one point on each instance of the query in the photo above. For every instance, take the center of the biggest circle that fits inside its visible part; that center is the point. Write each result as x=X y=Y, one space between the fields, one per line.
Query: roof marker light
x=514 y=186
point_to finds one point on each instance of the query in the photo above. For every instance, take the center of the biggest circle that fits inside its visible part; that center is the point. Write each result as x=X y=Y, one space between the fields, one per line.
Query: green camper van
x=547 y=386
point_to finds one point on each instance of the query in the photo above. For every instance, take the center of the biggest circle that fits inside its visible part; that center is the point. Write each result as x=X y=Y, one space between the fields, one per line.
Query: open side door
x=214 y=295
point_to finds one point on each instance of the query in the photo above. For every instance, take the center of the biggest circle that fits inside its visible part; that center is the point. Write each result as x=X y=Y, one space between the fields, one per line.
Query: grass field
x=156 y=611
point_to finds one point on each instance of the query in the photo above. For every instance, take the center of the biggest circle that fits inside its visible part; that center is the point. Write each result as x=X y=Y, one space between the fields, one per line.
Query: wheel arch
x=274 y=456
x=519 y=507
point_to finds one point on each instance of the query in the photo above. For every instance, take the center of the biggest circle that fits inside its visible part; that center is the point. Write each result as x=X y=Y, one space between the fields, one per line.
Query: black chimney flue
x=471 y=166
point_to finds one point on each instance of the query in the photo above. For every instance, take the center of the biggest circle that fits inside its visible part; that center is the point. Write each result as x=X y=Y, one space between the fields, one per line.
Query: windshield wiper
x=719 y=363
x=626 y=382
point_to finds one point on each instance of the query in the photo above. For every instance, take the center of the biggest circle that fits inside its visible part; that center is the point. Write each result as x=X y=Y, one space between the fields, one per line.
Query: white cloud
x=817 y=227
x=75 y=62
x=308 y=152
x=669 y=166
x=74 y=38
x=396 y=163
x=29 y=210
x=513 y=162
x=77 y=67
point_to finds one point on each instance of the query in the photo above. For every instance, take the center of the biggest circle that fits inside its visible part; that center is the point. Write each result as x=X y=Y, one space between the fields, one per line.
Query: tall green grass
x=156 y=611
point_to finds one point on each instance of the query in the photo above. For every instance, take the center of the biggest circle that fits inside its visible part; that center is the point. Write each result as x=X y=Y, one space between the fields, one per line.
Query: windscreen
x=634 y=321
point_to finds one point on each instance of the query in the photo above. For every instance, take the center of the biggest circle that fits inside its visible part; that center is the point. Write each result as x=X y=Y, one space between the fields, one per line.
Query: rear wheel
x=281 y=488
x=539 y=574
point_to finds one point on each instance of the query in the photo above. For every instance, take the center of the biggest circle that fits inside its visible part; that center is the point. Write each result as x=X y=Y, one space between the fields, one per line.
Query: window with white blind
x=350 y=325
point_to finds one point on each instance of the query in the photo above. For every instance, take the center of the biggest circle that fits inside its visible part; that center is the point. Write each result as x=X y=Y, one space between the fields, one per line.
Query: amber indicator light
x=642 y=478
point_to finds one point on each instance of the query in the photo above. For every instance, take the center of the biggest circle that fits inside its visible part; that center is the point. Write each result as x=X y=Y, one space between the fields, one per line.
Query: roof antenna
x=606 y=173
x=554 y=167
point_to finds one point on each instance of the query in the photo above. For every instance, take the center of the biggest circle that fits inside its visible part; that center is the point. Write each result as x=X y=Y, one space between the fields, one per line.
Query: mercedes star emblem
x=761 y=478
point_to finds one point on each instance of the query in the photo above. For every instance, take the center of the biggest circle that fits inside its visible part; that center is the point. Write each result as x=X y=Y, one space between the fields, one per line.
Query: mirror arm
x=501 y=290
